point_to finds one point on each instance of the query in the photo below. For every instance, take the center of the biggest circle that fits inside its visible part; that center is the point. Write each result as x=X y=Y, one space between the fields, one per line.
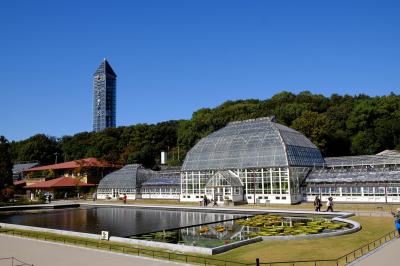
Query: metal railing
x=157 y=254
x=192 y=259
x=14 y=262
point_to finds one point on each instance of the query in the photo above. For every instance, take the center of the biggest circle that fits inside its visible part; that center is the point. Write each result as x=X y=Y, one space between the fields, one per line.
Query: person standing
x=215 y=202
x=94 y=196
x=317 y=204
x=397 y=221
x=125 y=197
x=329 y=204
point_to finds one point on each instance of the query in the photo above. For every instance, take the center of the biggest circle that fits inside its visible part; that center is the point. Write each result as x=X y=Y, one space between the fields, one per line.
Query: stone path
x=388 y=255
x=42 y=253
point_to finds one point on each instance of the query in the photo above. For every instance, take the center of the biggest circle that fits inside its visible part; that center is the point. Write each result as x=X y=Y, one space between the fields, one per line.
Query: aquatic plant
x=203 y=230
x=272 y=225
x=219 y=228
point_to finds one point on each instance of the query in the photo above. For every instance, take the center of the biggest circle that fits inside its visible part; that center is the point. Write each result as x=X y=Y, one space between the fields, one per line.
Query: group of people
x=318 y=204
x=206 y=201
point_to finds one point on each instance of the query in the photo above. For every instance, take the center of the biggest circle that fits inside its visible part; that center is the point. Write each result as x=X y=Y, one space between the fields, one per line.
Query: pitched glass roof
x=363 y=160
x=252 y=143
x=162 y=181
x=380 y=175
x=130 y=176
x=224 y=178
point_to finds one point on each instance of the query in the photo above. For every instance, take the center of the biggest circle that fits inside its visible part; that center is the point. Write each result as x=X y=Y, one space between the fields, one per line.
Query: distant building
x=87 y=170
x=66 y=179
x=138 y=182
x=60 y=187
x=19 y=168
x=127 y=180
x=104 y=97
x=363 y=178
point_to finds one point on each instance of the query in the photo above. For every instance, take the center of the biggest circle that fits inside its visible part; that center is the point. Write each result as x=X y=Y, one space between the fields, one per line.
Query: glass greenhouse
x=127 y=180
x=161 y=188
x=367 y=178
x=270 y=159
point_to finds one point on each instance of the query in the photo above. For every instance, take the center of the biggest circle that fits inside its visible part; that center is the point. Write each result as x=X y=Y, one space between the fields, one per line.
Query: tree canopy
x=338 y=125
x=5 y=164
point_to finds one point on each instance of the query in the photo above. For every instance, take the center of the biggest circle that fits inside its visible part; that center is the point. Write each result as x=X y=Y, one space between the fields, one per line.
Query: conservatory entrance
x=225 y=186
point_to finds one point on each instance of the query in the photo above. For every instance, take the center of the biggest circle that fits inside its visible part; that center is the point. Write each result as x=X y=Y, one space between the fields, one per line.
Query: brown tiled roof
x=87 y=162
x=63 y=181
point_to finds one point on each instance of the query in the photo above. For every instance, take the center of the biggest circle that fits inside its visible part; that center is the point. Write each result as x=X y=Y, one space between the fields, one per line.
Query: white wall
x=160 y=196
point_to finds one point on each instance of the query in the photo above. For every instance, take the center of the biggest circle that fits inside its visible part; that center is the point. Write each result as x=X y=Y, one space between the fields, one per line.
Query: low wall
x=48 y=230
x=162 y=245
x=39 y=206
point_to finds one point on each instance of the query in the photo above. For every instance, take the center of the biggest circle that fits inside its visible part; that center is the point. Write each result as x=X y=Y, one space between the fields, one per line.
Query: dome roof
x=130 y=176
x=252 y=143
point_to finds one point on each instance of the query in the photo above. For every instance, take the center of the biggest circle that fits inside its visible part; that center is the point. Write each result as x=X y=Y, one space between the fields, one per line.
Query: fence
x=158 y=254
x=13 y=262
x=191 y=259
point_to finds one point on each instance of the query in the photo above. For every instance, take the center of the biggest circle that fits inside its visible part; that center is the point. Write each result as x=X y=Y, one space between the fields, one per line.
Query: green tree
x=40 y=148
x=5 y=164
x=316 y=127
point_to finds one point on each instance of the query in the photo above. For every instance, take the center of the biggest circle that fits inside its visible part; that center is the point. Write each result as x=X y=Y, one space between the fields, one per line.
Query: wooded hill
x=338 y=125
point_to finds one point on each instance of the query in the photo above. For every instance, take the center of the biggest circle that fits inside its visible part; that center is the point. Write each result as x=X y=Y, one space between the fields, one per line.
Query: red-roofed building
x=60 y=186
x=60 y=182
x=87 y=163
x=88 y=170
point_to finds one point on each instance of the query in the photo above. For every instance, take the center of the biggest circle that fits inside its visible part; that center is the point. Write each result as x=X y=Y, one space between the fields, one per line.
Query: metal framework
x=270 y=159
x=252 y=143
x=127 y=180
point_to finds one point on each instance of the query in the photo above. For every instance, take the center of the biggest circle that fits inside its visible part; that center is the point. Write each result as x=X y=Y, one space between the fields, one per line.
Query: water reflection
x=122 y=222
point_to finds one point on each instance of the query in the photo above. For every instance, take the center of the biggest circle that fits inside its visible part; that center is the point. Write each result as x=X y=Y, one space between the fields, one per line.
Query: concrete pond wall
x=340 y=217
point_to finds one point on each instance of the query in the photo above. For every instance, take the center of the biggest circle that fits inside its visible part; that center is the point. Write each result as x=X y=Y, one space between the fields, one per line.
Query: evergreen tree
x=5 y=163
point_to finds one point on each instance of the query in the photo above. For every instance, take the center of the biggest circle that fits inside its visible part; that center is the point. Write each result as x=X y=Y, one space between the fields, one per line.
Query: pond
x=227 y=232
x=191 y=228
x=122 y=222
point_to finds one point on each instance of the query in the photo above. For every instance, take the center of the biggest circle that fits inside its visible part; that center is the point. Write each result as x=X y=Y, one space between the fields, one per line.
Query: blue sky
x=174 y=57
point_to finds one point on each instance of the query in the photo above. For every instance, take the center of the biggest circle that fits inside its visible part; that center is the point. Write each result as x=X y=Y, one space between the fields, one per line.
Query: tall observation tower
x=104 y=97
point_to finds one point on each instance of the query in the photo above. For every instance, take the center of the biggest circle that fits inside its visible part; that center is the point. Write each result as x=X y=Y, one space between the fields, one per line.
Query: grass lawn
x=320 y=248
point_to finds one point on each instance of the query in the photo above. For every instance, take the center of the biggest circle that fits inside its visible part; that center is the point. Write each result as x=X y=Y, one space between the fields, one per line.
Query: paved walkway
x=388 y=255
x=41 y=253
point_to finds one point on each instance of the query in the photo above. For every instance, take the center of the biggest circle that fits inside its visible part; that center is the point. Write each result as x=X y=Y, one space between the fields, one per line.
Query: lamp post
x=56 y=154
